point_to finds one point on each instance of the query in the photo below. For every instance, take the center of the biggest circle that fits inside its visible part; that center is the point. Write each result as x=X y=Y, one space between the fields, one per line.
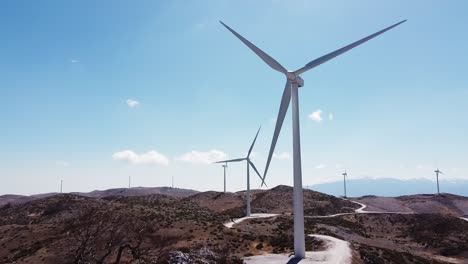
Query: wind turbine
x=225 y=167
x=345 y=174
x=249 y=164
x=437 y=177
x=290 y=93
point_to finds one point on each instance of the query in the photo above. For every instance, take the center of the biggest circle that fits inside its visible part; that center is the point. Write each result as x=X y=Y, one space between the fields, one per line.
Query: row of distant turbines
x=344 y=174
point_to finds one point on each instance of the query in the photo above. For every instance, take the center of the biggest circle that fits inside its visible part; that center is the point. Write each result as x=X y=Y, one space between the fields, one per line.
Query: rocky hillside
x=158 y=228
x=277 y=200
x=136 y=191
x=447 y=204
x=75 y=229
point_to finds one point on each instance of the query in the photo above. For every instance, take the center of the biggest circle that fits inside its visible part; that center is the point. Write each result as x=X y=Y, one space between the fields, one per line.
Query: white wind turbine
x=437 y=177
x=345 y=174
x=225 y=167
x=290 y=93
x=249 y=164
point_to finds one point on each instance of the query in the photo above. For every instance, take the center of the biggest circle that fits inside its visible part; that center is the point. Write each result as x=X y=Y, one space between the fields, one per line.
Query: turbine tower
x=249 y=164
x=345 y=174
x=61 y=186
x=225 y=167
x=437 y=172
x=290 y=93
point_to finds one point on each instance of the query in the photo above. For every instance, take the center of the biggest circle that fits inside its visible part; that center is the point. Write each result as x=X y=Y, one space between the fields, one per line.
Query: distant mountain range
x=391 y=187
x=134 y=191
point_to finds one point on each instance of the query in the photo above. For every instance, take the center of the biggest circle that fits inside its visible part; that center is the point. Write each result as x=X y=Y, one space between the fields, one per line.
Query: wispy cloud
x=320 y=166
x=330 y=116
x=316 y=116
x=423 y=167
x=62 y=163
x=151 y=157
x=282 y=156
x=74 y=61
x=201 y=157
x=132 y=103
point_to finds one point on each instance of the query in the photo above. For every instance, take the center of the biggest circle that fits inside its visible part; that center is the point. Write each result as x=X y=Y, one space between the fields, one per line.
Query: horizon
x=331 y=188
x=97 y=92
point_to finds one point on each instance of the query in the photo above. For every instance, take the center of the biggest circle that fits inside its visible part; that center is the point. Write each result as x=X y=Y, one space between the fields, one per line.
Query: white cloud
x=320 y=166
x=200 y=26
x=330 y=116
x=316 y=116
x=74 y=61
x=151 y=157
x=282 y=156
x=62 y=163
x=424 y=167
x=132 y=103
x=201 y=157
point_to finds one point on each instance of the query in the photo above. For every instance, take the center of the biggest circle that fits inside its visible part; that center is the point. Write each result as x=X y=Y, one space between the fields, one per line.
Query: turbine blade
x=265 y=57
x=336 y=53
x=256 y=171
x=232 y=160
x=253 y=143
x=279 y=123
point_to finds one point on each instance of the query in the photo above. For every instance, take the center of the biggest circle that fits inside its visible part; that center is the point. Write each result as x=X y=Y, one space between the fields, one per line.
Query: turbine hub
x=295 y=78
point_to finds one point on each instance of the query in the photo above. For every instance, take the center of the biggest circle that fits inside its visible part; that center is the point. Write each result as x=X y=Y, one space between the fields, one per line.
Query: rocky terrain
x=135 y=191
x=158 y=228
x=445 y=203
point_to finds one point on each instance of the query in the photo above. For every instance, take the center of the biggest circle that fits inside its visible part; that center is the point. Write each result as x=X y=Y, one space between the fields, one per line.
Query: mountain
x=136 y=191
x=444 y=204
x=139 y=191
x=277 y=200
x=391 y=187
x=115 y=227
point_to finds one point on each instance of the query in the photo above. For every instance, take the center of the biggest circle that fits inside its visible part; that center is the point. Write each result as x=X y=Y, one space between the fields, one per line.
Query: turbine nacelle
x=295 y=78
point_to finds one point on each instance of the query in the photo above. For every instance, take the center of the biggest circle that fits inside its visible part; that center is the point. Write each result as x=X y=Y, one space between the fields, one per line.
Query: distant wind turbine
x=61 y=186
x=225 y=167
x=345 y=174
x=249 y=164
x=290 y=93
x=437 y=177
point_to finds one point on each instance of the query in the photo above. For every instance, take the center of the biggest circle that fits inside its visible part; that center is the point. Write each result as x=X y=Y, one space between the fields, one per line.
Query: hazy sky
x=94 y=91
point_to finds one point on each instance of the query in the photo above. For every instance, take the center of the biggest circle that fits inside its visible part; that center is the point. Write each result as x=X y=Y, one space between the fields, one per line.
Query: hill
x=136 y=191
x=446 y=204
x=157 y=228
x=277 y=200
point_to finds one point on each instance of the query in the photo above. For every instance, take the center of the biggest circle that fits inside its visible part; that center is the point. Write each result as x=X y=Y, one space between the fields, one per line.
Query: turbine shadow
x=294 y=261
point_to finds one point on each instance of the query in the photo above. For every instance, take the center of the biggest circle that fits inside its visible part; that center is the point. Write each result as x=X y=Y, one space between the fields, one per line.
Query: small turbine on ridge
x=437 y=172
x=225 y=167
x=345 y=175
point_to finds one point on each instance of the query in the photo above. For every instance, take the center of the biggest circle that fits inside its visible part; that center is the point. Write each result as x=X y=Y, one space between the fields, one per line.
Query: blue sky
x=94 y=91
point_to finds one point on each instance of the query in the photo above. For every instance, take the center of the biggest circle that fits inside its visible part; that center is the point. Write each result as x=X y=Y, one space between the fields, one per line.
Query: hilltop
x=446 y=204
x=277 y=200
x=122 y=227
x=135 y=191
